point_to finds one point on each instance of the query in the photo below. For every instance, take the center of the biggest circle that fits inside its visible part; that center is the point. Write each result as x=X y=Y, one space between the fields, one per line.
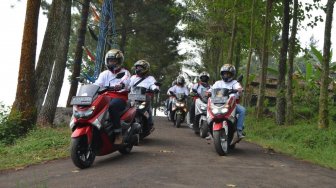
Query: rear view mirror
x=158 y=84
x=240 y=78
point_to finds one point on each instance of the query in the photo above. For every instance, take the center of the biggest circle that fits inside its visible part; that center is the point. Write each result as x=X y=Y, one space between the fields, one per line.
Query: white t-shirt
x=234 y=84
x=146 y=83
x=178 y=89
x=107 y=78
x=199 y=87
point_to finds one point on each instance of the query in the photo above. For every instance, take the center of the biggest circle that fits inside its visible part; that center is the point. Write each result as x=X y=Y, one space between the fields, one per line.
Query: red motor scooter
x=222 y=120
x=89 y=120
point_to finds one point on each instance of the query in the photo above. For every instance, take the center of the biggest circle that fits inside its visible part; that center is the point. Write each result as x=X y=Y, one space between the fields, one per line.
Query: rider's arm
x=101 y=79
x=152 y=85
x=125 y=80
x=238 y=87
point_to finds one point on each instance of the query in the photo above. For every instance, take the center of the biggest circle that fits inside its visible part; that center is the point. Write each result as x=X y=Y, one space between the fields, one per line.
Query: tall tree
x=24 y=100
x=79 y=51
x=233 y=34
x=323 y=121
x=281 y=93
x=48 y=110
x=291 y=54
x=247 y=75
x=264 y=65
x=47 y=55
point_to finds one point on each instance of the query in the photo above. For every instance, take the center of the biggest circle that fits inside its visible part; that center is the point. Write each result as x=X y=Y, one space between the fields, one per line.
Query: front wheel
x=221 y=142
x=82 y=154
x=204 y=129
x=178 y=120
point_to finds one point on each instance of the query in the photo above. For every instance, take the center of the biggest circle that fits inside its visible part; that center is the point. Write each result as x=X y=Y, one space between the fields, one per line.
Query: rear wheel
x=82 y=154
x=221 y=142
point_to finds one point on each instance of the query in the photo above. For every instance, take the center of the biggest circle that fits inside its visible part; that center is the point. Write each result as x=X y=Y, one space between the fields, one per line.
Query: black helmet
x=180 y=80
x=228 y=68
x=204 y=76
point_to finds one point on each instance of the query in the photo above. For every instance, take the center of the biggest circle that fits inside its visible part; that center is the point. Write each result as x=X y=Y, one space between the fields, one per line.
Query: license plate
x=81 y=100
x=137 y=97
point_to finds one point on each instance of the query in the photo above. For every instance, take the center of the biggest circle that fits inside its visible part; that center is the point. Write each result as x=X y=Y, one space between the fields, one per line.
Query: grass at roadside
x=42 y=144
x=302 y=140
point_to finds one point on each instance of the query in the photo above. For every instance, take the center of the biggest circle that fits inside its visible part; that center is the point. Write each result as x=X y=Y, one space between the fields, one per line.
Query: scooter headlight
x=218 y=109
x=83 y=114
x=142 y=105
x=180 y=104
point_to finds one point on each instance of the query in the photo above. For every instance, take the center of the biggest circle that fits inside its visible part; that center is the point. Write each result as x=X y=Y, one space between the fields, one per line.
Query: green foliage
x=10 y=128
x=39 y=145
x=302 y=140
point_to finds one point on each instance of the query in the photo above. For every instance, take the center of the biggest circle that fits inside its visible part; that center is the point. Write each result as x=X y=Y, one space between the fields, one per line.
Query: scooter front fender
x=217 y=126
x=79 y=131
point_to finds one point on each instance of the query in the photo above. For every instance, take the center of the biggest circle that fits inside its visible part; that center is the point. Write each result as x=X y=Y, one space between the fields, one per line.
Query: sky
x=12 y=17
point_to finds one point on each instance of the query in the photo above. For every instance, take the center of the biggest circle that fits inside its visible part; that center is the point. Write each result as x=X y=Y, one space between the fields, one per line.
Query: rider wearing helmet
x=178 y=88
x=196 y=91
x=114 y=60
x=228 y=73
x=143 y=79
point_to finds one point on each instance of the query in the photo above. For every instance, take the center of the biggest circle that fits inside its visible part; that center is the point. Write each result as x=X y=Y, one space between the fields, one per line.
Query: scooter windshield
x=180 y=96
x=85 y=95
x=219 y=95
x=139 y=90
x=89 y=90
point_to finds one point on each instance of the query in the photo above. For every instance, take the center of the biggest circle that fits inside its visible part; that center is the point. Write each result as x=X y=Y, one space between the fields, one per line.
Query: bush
x=10 y=128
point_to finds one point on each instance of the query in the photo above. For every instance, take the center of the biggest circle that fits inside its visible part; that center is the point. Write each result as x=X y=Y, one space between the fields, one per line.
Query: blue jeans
x=116 y=106
x=241 y=116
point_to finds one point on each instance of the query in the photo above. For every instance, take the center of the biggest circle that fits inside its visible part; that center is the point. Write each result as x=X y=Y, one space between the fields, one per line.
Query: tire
x=221 y=142
x=126 y=150
x=178 y=120
x=204 y=129
x=196 y=127
x=82 y=155
x=171 y=116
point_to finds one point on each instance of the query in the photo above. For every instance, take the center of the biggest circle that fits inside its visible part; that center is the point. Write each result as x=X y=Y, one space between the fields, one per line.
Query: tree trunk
x=24 y=100
x=233 y=35
x=247 y=76
x=281 y=93
x=264 y=65
x=291 y=54
x=79 y=51
x=237 y=59
x=47 y=55
x=323 y=121
x=48 y=110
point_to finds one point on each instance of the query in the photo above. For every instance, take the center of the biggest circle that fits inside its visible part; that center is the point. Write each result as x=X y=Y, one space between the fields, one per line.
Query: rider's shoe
x=118 y=139
x=241 y=135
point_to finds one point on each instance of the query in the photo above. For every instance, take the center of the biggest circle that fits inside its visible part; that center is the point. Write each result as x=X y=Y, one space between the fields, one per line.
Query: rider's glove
x=119 y=87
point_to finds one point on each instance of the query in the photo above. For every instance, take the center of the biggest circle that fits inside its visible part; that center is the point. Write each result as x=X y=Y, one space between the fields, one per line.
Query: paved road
x=172 y=157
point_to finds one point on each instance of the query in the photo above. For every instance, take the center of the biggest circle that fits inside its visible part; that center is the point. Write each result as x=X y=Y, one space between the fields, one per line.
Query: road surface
x=176 y=157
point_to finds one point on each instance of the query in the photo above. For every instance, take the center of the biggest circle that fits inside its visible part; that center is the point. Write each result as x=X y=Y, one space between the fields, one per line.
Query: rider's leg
x=241 y=117
x=117 y=106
